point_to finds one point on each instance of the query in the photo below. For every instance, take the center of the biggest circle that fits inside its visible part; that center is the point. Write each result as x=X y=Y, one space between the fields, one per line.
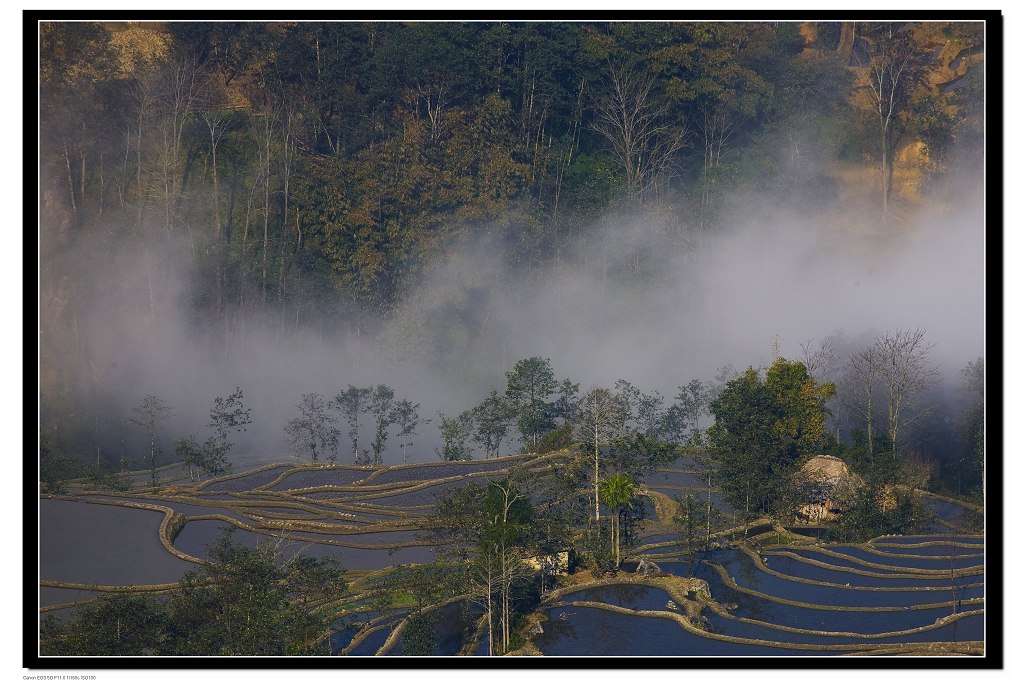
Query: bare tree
x=863 y=372
x=823 y=363
x=264 y=131
x=599 y=416
x=215 y=118
x=635 y=125
x=147 y=415
x=177 y=97
x=508 y=554
x=894 y=71
x=435 y=95
x=718 y=125
x=904 y=371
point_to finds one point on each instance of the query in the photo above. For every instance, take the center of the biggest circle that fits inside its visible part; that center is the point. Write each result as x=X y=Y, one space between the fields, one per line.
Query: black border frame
x=994 y=337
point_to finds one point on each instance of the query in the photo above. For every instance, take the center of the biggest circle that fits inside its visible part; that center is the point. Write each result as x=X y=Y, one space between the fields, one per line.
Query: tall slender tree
x=492 y=418
x=618 y=492
x=531 y=382
x=599 y=416
x=895 y=70
x=407 y=419
x=905 y=371
x=382 y=401
x=148 y=415
x=353 y=402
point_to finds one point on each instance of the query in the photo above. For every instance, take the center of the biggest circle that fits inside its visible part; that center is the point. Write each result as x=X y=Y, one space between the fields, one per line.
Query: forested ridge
x=312 y=174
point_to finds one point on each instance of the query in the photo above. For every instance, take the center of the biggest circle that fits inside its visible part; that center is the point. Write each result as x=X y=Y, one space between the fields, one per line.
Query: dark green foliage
x=880 y=510
x=382 y=402
x=455 y=434
x=228 y=415
x=206 y=459
x=489 y=531
x=509 y=514
x=531 y=382
x=761 y=428
x=492 y=418
x=419 y=637
x=407 y=418
x=54 y=472
x=564 y=406
x=113 y=625
x=692 y=523
x=100 y=477
x=252 y=601
x=970 y=469
x=638 y=453
x=559 y=438
x=314 y=431
x=243 y=601
x=353 y=402
x=681 y=421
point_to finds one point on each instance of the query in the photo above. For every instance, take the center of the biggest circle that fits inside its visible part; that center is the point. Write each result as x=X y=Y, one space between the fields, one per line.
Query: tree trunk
x=847 y=36
x=490 y=616
x=597 y=503
x=216 y=187
x=617 y=541
x=708 y=539
x=886 y=174
x=71 y=182
x=871 y=426
x=266 y=213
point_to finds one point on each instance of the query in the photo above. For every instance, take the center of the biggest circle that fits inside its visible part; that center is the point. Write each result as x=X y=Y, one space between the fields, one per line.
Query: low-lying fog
x=630 y=301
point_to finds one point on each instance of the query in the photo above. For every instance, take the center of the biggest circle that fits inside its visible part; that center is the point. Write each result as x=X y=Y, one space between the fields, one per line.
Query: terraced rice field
x=894 y=595
x=767 y=601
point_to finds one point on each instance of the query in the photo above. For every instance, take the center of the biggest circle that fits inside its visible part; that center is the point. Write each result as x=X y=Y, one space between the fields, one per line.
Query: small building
x=829 y=481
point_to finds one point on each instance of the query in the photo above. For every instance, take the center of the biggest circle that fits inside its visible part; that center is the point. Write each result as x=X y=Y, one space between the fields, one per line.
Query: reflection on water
x=371 y=643
x=100 y=544
x=628 y=596
x=596 y=632
x=587 y=631
x=196 y=537
x=960 y=557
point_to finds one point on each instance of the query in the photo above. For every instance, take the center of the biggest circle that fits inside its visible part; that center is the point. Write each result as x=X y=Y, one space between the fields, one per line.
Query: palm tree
x=617 y=493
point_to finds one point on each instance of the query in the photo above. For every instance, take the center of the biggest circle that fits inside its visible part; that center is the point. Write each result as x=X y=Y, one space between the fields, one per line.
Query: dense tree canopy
x=352 y=153
x=762 y=427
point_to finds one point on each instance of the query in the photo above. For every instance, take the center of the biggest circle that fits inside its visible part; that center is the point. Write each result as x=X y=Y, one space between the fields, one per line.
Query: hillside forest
x=313 y=209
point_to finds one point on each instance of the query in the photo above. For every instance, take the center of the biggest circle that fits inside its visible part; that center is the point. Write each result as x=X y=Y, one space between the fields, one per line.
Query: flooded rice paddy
x=805 y=598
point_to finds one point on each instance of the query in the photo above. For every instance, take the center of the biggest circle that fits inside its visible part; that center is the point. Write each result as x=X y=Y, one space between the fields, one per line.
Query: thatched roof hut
x=830 y=479
x=827 y=469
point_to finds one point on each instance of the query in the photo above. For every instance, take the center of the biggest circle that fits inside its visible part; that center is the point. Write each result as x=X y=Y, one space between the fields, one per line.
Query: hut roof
x=826 y=468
